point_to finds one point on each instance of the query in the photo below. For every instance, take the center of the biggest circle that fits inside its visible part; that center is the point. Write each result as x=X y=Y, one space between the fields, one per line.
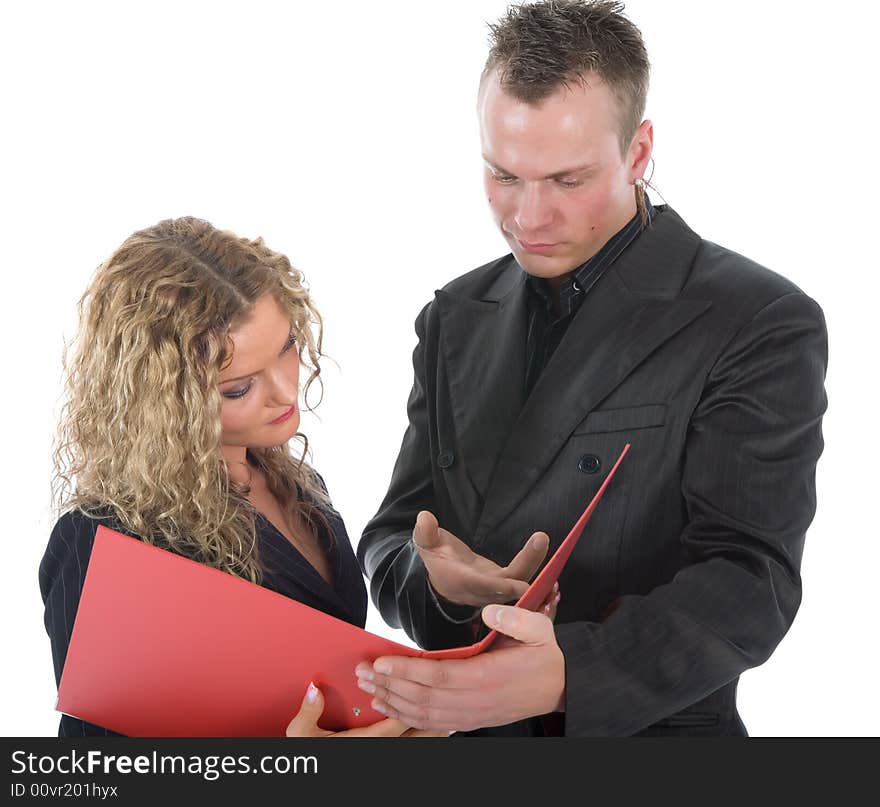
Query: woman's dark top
x=285 y=570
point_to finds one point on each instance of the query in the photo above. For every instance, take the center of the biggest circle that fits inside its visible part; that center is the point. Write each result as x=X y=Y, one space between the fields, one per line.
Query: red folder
x=163 y=646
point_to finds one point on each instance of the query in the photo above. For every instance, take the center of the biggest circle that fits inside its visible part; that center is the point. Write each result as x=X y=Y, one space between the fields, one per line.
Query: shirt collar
x=576 y=284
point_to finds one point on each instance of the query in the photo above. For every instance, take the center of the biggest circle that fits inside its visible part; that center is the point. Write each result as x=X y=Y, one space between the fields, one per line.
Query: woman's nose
x=283 y=387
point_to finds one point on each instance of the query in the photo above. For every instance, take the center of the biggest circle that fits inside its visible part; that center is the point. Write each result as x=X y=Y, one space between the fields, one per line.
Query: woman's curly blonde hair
x=139 y=438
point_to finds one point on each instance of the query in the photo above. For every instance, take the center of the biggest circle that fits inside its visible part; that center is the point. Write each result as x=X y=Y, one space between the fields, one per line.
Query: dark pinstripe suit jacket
x=712 y=367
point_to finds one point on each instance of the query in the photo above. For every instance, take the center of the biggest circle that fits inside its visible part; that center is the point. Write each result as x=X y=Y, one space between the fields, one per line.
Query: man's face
x=557 y=183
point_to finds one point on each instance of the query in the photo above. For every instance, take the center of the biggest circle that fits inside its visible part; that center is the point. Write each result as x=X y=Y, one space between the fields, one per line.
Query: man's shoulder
x=722 y=271
x=670 y=259
x=740 y=287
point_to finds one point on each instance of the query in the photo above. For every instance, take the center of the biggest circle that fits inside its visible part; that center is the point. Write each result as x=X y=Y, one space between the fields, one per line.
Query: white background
x=344 y=133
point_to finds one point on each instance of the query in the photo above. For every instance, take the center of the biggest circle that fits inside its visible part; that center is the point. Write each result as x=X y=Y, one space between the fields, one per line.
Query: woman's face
x=259 y=387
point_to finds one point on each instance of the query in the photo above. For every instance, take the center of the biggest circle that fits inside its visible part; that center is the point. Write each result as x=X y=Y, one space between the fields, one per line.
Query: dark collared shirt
x=546 y=327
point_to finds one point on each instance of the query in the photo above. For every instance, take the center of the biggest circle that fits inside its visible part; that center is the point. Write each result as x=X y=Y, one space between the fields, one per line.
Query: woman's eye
x=237 y=393
x=240 y=392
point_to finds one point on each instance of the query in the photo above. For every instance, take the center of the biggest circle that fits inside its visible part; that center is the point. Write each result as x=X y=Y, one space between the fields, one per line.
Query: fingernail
x=449 y=734
x=557 y=598
x=366 y=686
x=536 y=544
x=364 y=672
x=312 y=693
x=382 y=667
x=547 y=610
x=378 y=706
x=499 y=615
x=555 y=587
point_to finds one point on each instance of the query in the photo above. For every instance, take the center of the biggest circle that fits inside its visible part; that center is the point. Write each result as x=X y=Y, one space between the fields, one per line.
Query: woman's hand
x=305 y=723
x=548 y=607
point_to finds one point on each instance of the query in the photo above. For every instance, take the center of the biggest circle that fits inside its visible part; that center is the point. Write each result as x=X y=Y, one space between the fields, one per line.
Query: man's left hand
x=512 y=681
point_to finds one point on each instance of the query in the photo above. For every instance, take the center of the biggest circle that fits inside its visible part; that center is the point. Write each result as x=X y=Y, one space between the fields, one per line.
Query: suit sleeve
x=748 y=485
x=398 y=580
x=61 y=576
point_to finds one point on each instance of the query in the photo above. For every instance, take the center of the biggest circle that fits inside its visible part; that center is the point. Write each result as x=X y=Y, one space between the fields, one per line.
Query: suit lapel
x=483 y=342
x=284 y=561
x=630 y=312
x=595 y=356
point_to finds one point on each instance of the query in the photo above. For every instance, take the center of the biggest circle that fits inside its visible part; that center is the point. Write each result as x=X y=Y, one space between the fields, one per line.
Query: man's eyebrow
x=248 y=375
x=567 y=172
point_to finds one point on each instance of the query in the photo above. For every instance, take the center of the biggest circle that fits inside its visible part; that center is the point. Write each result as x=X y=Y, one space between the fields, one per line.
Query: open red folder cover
x=163 y=646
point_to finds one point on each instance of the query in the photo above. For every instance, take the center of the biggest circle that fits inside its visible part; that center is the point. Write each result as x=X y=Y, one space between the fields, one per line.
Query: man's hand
x=520 y=679
x=461 y=576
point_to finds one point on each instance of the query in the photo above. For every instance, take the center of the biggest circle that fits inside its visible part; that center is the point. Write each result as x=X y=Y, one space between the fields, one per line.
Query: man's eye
x=569 y=183
x=503 y=179
x=237 y=393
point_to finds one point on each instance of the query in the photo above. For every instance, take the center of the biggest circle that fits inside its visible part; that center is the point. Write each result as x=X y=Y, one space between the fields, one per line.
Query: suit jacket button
x=445 y=459
x=589 y=464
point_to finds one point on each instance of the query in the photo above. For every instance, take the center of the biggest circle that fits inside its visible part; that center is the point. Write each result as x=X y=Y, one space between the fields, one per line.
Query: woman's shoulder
x=70 y=547
x=74 y=531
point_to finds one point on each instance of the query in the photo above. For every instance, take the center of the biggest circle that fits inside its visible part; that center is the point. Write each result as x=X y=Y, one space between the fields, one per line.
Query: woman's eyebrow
x=248 y=375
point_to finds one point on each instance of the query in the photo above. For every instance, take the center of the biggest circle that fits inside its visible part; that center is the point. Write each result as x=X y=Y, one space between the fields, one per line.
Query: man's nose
x=533 y=211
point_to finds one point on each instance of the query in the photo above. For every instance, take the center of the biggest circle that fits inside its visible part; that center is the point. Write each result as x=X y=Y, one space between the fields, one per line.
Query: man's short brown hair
x=539 y=47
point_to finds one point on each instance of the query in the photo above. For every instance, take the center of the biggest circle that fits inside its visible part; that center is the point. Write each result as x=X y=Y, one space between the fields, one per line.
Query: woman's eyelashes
x=240 y=392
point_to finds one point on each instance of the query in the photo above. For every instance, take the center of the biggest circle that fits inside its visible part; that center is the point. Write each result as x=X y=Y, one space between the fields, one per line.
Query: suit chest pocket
x=629 y=418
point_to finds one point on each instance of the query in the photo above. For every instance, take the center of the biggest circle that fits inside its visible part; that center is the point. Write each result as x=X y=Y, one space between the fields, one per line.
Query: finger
x=529 y=559
x=548 y=607
x=305 y=722
x=389 y=727
x=499 y=589
x=494 y=587
x=426 y=533
x=518 y=623
x=425 y=719
x=422 y=733
x=437 y=673
x=390 y=690
x=550 y=599
x=425 y=707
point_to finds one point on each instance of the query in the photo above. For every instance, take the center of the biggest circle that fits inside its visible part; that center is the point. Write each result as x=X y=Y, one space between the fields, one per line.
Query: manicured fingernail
x=556 y=599
x=364 y=672
x=499 y=615
x=451 y=733
x=555 y=587
x=547 y=610
x=366 y=686
x=382 y=667
x=378 y=706
x=312 y=693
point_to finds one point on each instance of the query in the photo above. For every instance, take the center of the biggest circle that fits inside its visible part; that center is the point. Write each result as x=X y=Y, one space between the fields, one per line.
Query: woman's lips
x=285 y=416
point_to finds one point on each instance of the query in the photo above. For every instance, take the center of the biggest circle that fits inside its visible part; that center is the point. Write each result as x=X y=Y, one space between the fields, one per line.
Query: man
x=610 y=323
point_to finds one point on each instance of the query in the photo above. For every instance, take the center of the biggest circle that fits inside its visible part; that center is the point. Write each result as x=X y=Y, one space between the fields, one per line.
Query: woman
x=182 y=395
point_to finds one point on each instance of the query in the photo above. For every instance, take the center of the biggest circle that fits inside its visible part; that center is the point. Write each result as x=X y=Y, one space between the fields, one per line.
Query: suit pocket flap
x=619 y=420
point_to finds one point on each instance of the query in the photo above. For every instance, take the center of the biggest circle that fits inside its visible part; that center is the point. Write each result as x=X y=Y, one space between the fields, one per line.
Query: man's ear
x=640 y=150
